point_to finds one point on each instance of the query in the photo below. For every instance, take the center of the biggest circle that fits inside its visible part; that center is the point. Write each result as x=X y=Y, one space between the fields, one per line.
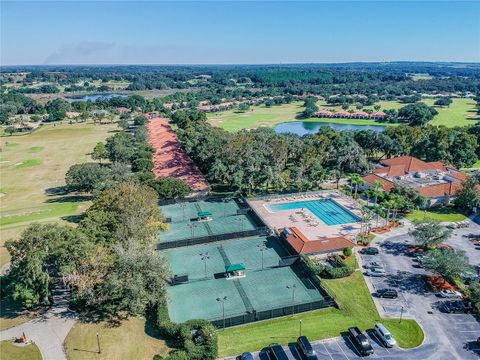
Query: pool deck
x=289 y=218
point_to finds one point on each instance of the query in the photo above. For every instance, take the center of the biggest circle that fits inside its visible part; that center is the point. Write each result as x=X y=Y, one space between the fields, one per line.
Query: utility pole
x=293 y=287
x=301 y=327
x=222 y=300
x=98 y=344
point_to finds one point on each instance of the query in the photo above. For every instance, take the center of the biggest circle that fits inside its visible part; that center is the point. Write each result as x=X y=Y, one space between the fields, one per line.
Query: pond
x=93 y=97
x=312 y=127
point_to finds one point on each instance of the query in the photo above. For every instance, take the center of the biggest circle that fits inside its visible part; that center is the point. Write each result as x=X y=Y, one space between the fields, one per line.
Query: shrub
x=340 y=272
x=347 y=251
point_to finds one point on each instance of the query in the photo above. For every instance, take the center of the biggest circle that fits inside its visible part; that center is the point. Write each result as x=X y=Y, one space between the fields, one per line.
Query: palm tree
x=356 y=180
x=376 y=187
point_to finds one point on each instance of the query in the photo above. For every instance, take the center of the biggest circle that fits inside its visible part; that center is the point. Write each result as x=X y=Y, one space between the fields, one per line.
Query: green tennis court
x=259 y=290
x=222 y=214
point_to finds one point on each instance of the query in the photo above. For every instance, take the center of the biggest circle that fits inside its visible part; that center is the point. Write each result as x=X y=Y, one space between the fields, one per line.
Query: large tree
x=417 y=113
x=469 y=195
x=430 y=234
x=447 y=263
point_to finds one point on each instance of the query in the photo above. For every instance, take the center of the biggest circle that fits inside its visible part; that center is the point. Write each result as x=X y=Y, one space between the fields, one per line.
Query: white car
x=376 y=272
x=450 y=294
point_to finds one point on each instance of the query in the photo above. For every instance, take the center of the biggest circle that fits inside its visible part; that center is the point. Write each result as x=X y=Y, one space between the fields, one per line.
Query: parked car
x=374 y=265
x=387 y=293
x=376 y=272
x=369 y=251
x=276 y=352
x=418 y=257
x=455 y=307
x=246 y=356
x=360 y=341
x=305 y=349
x=384 y=335
x=450 y=294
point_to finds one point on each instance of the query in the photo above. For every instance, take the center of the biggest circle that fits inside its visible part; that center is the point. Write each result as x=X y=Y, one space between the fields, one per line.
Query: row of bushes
x=194 y=339
x=341 y=268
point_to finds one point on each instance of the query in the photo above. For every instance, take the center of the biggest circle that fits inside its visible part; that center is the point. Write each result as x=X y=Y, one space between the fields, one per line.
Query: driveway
x=447 y=336
x=50 y=330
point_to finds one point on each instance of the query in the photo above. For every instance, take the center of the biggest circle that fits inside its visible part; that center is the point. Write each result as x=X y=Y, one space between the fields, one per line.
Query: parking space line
x=342 y=350
x=328 y=352
x=466 y=331
x=380 y=346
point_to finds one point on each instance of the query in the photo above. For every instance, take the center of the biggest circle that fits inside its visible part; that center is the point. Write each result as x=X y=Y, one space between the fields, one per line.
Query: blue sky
x=157 y=32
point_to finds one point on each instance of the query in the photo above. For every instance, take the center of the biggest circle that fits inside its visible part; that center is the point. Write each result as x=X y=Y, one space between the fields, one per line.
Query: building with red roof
x=436 y=181
x=301 y=245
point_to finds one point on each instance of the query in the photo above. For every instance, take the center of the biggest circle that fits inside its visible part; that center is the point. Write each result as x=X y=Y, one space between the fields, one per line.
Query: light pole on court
x=292 y=287
x=192 y=229
x=183 y=206
x=262 y=247
x=222 y=300
x=205 y=257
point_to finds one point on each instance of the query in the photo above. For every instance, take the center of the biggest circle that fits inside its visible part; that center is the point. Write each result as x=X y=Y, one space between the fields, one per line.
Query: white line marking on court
x=328 y=352
x=342 y=350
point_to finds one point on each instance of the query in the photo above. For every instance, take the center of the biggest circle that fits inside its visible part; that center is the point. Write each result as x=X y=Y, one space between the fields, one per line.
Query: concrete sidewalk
x=49 y=331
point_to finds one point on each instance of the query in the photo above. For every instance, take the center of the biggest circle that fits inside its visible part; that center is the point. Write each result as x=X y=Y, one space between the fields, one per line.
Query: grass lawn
x=10 y=351
x=28 y=182
x=356 y=308
x=456 y=114
x=437 y=215
x=128 y=341
x=261 y=116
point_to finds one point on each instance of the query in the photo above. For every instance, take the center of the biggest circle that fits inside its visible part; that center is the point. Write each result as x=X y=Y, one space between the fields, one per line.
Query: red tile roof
x=372 y=178
x=302 y=245
x=438 y=190
x=412 y=164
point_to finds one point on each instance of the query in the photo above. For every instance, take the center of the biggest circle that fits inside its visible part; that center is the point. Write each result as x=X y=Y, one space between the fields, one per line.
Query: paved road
x=50 y=330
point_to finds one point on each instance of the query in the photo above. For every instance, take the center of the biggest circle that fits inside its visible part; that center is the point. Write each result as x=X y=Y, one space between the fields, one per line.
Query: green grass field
x=28 y=184
x=456 y=114
x=261 y=116
x=356 y=308
x=132 y=339
x=440 y=215
x=10 y=351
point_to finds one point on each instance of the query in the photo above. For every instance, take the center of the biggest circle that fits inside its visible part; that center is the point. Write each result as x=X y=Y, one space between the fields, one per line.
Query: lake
x=312 y=127
x=94 y=97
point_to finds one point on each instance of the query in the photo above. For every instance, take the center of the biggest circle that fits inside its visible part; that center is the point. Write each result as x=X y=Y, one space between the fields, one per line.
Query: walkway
x=50 y=330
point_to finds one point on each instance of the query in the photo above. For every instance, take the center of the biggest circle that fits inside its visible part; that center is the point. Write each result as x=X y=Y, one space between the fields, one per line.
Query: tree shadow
x=69 y=198
x=152 y=329
x=74 y=219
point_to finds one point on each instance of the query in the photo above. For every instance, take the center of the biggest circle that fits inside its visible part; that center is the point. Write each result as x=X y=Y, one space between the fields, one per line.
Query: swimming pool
x=328 y=210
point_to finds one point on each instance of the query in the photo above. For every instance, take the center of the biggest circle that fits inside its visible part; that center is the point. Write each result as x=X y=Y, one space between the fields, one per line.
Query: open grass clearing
x=456 y=114
x=356 y=309
x=32 y=187
x=10 y=351
x=261 y=116
x=447 y=214
x=132 y=339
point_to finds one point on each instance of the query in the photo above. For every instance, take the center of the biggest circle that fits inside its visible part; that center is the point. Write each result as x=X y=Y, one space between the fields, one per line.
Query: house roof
x=438 y=190
x=303 y=245
x=412 y=164
x=372 y=178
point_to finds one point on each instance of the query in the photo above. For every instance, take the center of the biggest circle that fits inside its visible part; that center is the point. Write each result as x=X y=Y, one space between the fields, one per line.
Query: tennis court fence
x=273 y=313
x=164 y=245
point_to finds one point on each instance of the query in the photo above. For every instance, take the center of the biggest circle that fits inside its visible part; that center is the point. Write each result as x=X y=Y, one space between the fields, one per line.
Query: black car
x=276 y=352
x=246 y=356
x=360 y=341
x=455 y=307
x=369 y=251
x=305 y=349
x=387 y=293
